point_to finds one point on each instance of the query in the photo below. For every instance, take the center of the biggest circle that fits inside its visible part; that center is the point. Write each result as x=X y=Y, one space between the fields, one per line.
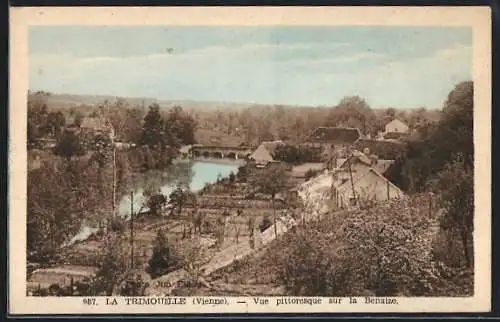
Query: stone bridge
x=220 y=152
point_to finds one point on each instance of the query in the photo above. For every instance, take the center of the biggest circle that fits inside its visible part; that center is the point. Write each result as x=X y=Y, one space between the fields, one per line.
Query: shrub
x=112 y=264
x=385 y=249
x=117 y=225
x=232 y=177
x=159 y=262
x=242 y=173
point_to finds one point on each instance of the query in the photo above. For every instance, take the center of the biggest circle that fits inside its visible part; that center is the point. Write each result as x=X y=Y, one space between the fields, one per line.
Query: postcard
x=249 y=160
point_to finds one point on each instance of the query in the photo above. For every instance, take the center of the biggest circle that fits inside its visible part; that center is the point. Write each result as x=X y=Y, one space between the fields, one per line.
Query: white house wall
x=369 y=186
x=396 y=127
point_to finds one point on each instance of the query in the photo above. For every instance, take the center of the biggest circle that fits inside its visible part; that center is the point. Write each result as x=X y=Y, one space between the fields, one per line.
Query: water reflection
x=193 y=174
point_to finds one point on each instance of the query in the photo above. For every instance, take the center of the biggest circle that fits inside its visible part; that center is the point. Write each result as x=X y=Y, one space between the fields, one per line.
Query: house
x=335 y=141
x=396 y=126
x=356 y=187
x=333 y=136
x=361 y=161
x=185 y=151
x=384 y=149
x=395 y=136
x=263 y=155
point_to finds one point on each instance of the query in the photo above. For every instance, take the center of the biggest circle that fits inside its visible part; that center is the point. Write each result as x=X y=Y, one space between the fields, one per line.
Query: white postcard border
x=478 y=18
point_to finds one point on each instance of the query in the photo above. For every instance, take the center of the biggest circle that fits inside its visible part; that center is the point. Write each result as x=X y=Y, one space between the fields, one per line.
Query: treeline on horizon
x=249 y=125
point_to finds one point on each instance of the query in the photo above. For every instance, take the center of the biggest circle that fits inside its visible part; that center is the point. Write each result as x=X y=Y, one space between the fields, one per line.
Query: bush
x=160 y=260
x=232 y=177
x=242 y=173
x=384 y=249
x=117 y=225
x=113 y=264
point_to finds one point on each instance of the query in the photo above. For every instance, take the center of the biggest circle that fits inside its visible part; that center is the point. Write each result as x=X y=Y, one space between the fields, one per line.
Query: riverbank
x=238 y=162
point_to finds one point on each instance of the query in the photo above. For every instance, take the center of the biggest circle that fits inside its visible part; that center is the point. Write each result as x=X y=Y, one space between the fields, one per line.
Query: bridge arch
x=219 y=152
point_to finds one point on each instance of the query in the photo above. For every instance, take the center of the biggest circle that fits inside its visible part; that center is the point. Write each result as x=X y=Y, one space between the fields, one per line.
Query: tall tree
x=352 y=111
x=455 y=132
x=271 y=181
x=453 y=135
x=456 y=187
x=37 y=115
x=153 y=129
x=181 y=125
x=177 y=199
x=55 y=123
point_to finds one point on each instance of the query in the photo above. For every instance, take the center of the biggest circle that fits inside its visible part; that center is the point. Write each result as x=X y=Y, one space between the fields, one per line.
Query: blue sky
x=388 y=66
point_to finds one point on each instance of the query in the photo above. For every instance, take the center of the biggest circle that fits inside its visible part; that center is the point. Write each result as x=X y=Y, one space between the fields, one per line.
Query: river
x=195 y=174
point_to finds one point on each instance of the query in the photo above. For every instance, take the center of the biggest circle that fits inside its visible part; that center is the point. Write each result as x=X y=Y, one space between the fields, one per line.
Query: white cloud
x=446 y=61
x=343 y=59
x=455 y=52
x=247 y=71
x=429 y=77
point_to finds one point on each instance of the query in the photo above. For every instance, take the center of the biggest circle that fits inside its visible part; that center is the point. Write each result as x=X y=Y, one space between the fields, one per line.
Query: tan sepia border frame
x=478 y=18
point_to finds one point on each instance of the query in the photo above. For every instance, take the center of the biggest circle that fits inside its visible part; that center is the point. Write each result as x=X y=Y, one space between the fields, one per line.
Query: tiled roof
x=335 y=135
x=380 y=166
x=265 y=151
x=384 y=149
x=272 y=145
x=342 y=178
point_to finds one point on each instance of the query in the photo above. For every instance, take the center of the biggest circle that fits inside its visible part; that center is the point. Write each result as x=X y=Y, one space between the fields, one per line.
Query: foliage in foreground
x=383 y=250
x=113 y=265
x=160 y=260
